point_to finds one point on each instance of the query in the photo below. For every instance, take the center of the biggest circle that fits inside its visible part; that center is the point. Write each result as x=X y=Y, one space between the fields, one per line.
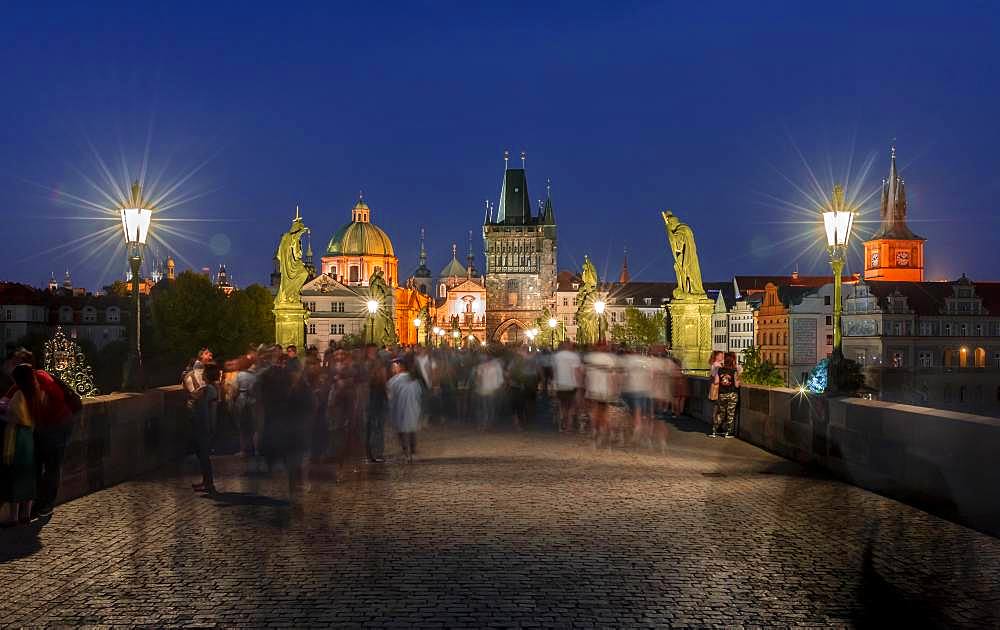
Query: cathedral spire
x=423 y=250
x=624 y=276
x=470 y=258
x=548 y=214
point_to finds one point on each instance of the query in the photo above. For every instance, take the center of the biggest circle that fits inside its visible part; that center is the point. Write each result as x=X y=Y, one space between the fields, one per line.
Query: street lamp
x=135 y=218
x=416 y=324
x=530 y=334
x=372 y=309
x=599 y=309
x=455 y=335
x=838 y=220
x=440 y=335
x=553 y=322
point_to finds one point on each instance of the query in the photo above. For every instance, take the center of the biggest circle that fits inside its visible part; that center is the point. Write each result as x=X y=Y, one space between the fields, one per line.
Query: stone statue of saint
x=586 y=318
x=293 y=270
x=383 y=327
x=686 y=266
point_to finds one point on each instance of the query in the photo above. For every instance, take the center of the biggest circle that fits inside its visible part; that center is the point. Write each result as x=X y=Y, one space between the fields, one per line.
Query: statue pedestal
x=691 y=332
x=289 y=326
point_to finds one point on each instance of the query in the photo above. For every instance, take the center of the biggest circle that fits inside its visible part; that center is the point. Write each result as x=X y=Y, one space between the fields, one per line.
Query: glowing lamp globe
x=417 y=322
x=372 y=306
x=135 y=224
x=553 y=322
x=838 y=221
x=599 y=307
x=455 y=334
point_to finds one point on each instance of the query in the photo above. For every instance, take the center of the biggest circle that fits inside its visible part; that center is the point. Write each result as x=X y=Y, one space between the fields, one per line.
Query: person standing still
x=405 y=395
x=728 y=380
x=205 y=414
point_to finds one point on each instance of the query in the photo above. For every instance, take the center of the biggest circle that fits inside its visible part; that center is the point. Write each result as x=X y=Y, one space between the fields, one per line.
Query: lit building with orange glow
x=894 y=253
x=357 y=249
x=409 y=303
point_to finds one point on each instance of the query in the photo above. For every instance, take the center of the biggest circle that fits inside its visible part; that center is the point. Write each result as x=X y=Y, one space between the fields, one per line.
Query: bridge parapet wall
x=120 y=436
x=937 y=459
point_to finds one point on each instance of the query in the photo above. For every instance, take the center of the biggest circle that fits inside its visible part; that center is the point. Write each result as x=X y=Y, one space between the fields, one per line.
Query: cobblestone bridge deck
x=528 y=529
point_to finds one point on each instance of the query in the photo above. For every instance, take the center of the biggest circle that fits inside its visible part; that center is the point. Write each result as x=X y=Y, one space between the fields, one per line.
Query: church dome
x=360 y=237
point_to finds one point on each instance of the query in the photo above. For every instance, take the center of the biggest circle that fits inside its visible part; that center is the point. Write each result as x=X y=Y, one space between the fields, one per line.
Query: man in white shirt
x=566 y=380
x=601 y=389
x=489 y=380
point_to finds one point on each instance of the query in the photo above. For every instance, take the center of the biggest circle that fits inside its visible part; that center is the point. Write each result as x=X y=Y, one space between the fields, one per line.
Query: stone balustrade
x=121 y=436
x=940 y=460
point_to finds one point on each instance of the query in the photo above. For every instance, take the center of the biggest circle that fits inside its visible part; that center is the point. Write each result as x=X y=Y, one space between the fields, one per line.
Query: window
x=947 y=329
x=312 y=329
x=949 y=357
x=66 y=314
x=336 y=329
x=925 y=359
x=979 y=358
x=648 y=301
x=89 y=315
x=826 y=300
x=311 y=306
x=829 y=340
x=979 y=330
x=897 y=360
x=113 y=314
x=829 y=320
x=996 y=359
x=9 y=314
x=925 y=329
x=565 y=301
x=628 y=300
x=442 y=290
x=961 y=394
x=355 y=274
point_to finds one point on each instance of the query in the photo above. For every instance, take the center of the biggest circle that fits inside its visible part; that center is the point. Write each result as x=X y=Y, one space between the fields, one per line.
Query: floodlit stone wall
x=121 y=436
x=935 y=459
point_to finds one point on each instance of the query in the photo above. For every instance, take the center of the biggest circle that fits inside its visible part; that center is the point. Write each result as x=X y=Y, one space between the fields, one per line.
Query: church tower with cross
x=894 y=253
x=521 y=258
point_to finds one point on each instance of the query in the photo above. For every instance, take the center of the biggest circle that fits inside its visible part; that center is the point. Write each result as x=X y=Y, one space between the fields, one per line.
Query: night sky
x=712 y=110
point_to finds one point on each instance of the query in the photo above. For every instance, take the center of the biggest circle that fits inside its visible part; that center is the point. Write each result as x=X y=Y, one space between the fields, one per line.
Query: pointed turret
x=548 y=214
x=624 y=276
x=422 y=270
x=893 y=208
x=453 y=269
x=470 y=259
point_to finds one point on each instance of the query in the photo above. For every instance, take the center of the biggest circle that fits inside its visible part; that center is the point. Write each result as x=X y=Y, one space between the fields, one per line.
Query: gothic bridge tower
x=520 y=254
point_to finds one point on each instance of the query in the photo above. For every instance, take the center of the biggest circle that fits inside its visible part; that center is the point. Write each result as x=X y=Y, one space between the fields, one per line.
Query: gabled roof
x=324 y=283
x=565 y=281
x=929 y=298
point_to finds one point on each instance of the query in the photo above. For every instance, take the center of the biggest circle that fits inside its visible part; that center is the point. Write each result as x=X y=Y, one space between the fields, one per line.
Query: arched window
x=442 y=290
x=113 y=314
x=963 y=357
x=980 y=358
x=66 y=314
x=949 y=357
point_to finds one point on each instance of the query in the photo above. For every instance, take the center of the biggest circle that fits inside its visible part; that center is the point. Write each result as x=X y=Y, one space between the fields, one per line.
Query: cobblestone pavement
x=531 y=529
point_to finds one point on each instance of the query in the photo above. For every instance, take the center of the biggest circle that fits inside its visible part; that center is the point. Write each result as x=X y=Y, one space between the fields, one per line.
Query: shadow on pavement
x=226 y=499
x=21 y=542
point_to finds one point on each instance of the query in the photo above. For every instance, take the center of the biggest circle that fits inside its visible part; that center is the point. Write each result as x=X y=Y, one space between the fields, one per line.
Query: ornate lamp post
x=553 y=322
x=599 y=309
x=439 y=332
x=838 y=220
x=372 y=306
x=135 y=225
x=455 y=335
x=416 y=324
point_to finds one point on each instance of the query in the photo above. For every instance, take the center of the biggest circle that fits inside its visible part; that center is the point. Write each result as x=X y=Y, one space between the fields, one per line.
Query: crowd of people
x=280 y=408
x=286 y=408
x=37 y=414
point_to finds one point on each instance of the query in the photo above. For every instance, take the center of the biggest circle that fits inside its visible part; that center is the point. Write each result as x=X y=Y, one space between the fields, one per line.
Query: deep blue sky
x=630 y=108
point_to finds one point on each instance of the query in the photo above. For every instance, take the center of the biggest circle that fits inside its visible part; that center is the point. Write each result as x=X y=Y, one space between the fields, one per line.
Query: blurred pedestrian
x=637 y=393
x=204 y=421
x=17 y=473
x=378 y=401
x=566 y=380
x=405 y=395
x=601 y=391
x=489 y=381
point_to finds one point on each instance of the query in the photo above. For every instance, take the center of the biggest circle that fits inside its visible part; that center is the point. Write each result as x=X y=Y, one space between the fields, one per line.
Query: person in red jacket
x=54 y=420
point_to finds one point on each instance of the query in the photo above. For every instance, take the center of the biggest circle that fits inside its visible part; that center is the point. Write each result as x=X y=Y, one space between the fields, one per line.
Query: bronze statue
x=685 y=253
x=383 y=331
x=586 y=317
x=293 y=270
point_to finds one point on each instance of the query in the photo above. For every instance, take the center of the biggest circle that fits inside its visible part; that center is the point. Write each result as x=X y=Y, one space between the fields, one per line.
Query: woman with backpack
x=727 y=379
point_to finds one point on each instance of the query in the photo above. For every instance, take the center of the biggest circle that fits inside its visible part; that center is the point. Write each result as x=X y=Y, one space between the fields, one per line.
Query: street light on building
x=553 y=322
x=372 y=309
x=838 y=221
x=599 y=309
x=416 y=324
x=136 y=217
x=530 y=334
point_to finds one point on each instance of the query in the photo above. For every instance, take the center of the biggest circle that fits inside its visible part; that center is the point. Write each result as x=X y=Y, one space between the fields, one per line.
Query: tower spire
x=423 y=251
x=506 y=158
x=524 y=158
x=470 y=258
x=624 y=276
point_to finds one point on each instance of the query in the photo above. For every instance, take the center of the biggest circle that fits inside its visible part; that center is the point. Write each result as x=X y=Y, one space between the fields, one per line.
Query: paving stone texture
x=504 y=529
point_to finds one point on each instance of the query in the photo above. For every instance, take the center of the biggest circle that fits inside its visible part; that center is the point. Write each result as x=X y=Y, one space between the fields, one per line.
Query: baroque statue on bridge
x=293 y=269
x=383 y=331
x=686 y=266
x=586 y=317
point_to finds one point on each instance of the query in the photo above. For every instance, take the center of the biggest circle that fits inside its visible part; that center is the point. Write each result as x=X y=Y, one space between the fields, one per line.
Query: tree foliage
x=757 y=371
x=639 y=330
x=190 y=313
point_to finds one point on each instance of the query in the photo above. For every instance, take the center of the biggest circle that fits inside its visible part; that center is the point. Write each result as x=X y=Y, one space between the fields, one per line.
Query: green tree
x=757 y=371
x=548 y=336
x=639 y=330
x=187 y=314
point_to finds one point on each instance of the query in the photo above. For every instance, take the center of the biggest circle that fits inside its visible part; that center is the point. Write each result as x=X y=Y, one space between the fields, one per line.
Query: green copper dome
x=360 y=236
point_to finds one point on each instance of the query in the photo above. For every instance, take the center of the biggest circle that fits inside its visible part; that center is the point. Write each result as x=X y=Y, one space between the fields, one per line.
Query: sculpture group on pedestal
x=380 y=329
x=586 y=317
x=690 y=309
x=289 y=314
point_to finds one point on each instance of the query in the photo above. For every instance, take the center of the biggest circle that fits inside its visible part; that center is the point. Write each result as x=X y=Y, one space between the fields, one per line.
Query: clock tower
x=894 y=252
